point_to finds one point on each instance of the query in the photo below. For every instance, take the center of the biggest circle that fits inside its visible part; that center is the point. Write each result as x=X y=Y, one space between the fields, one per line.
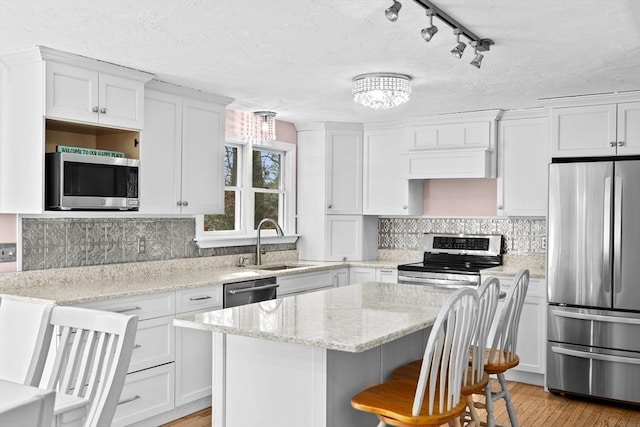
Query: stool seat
x=392 y=402
x=500 y=361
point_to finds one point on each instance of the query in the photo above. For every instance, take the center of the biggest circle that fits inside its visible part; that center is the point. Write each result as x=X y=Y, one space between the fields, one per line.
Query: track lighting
x=477 y=60
x=460 y=46
x=427 y=33
x=392 y=12
x=431 y=30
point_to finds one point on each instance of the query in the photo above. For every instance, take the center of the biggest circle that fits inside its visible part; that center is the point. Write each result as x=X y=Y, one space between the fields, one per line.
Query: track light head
x=392 y=12
x=477 y=60
x=430 y=31
x=460 y=46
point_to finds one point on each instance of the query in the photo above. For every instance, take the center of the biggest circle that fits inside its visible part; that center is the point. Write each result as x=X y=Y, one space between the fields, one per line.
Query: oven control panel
x=465 y=244
x=461 y=243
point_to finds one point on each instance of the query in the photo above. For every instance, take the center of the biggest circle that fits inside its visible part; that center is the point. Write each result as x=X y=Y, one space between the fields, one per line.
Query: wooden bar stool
x=436 y=399
x=475 y=378
x=502 y=354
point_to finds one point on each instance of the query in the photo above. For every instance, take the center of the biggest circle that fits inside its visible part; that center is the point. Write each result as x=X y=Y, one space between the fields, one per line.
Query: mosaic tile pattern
x=522 y=236
x=77 y=242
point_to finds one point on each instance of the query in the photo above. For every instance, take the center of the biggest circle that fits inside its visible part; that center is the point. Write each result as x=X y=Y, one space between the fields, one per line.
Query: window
x=259 y=183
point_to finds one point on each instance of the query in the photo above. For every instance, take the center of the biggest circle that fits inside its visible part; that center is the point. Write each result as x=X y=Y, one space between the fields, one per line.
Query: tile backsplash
x=74 y=242
x=522 y=236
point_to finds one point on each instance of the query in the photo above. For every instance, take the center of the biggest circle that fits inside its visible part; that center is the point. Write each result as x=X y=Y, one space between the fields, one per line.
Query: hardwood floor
x=534 y=407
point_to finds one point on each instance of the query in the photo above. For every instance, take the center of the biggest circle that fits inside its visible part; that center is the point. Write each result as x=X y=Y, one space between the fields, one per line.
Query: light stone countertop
x=352 y=318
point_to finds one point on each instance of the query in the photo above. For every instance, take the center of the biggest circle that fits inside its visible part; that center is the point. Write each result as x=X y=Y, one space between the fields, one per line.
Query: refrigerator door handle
x=606 y=235
x=617 y=235
x=595 y=356
x=596 y=317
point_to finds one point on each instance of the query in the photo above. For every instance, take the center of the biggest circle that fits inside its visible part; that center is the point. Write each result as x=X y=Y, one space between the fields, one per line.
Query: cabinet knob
x=612 y=144
x=179 y=203
x=500 y=207
x=404 y=206
x=329 y=206
x=94 y=109
x=185 y=203
x=620 y=143
x=103 y=110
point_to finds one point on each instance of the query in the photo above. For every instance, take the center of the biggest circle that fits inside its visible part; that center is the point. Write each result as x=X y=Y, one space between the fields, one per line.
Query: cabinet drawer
x=199 y=298
x=304 y=282
x=143 y=306
x=145 y=394
x=154 y=344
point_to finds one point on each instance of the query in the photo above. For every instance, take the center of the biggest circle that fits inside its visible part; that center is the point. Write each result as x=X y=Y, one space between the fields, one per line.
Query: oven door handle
x=453 y=284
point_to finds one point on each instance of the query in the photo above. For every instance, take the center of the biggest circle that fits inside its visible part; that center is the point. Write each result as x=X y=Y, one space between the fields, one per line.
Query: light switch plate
x=7 y=252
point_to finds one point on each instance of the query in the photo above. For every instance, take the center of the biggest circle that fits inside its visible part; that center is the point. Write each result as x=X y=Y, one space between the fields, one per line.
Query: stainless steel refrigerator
x=593 y=327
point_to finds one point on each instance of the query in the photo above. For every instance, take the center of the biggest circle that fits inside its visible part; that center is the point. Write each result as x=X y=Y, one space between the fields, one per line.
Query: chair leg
x=381 y=424
x=491 y=421
x=507 y=397
x=473 y=414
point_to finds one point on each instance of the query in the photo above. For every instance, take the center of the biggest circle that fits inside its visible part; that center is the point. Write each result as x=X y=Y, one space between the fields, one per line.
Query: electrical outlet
x=142 y=245
x=7 y=252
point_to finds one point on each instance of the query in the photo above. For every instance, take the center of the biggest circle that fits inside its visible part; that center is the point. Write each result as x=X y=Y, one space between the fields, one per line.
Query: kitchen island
x=297 y=361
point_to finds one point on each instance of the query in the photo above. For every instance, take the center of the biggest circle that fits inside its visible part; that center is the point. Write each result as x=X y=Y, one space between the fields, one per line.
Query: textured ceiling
x=298 y=57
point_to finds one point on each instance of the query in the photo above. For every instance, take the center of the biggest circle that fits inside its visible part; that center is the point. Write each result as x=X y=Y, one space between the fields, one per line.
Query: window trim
x=244 y=236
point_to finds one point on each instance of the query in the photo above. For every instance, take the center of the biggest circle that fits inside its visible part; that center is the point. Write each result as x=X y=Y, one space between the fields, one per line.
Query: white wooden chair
x=436 y=399
x=91 y=358
x=35 y=410
x=502 y=354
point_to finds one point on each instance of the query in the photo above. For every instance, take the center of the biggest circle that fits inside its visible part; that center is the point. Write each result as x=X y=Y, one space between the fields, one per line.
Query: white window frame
x=245 y=235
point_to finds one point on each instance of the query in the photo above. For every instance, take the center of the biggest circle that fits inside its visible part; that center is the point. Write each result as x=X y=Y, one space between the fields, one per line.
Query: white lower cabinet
x=295 y=284
x=373 y=274
x=341 y=276
x=532 y=332
x=145 y=394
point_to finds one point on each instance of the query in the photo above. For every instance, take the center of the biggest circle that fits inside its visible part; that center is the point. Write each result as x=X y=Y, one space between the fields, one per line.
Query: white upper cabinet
x=48 y=99
x=182 y=149
x=453 y=145
x=523 y=161
x=82 y=94
x=595 y=125
x=344 y=172
x=386 y=189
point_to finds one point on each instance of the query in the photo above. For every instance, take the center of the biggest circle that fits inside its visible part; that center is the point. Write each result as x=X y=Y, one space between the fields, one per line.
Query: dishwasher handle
x=256 y=288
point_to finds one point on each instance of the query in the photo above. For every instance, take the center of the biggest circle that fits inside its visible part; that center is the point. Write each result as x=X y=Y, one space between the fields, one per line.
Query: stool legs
x=502 y=394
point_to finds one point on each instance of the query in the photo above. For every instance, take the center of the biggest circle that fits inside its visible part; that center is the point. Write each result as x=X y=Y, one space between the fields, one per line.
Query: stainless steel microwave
x=87 y=182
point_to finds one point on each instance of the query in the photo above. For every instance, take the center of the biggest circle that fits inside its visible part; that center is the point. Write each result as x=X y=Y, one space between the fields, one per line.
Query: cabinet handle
x=103 y=110
x=130 y=399
x=185 y=203
x=137 y=346
x=123 y=310
x=179 y=203
x=94 y=109
x=612 y=144
x=199 y=298
x=620 y=143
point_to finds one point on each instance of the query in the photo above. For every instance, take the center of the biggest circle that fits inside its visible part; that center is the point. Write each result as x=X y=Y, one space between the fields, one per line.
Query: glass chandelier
x=381 y=91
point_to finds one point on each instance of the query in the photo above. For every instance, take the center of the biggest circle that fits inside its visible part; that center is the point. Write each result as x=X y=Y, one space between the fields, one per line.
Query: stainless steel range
x=453 y=260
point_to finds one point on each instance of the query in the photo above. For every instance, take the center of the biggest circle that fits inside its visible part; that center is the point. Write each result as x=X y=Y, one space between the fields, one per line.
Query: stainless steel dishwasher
x=249 y=291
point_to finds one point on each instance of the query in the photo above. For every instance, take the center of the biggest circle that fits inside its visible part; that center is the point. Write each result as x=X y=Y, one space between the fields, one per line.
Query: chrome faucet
x=259 y=251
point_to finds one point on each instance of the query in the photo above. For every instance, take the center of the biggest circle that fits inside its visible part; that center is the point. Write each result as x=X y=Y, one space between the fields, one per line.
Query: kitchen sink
x=281 y=267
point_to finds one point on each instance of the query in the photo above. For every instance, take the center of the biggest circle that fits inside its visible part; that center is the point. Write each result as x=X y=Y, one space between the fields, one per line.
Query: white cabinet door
x=387 y=275
x=628 y=128
x=344 y=172
x=121 y=101
x=523 y=167
x=161 y=153
x=71 y=93
x=85 y=95
x=181 y=155
x=386 y=191
x=452 y=135
x=193 y=364
x=362 y=274
x=344 y=237
x=583 y=131
x=202 y=157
